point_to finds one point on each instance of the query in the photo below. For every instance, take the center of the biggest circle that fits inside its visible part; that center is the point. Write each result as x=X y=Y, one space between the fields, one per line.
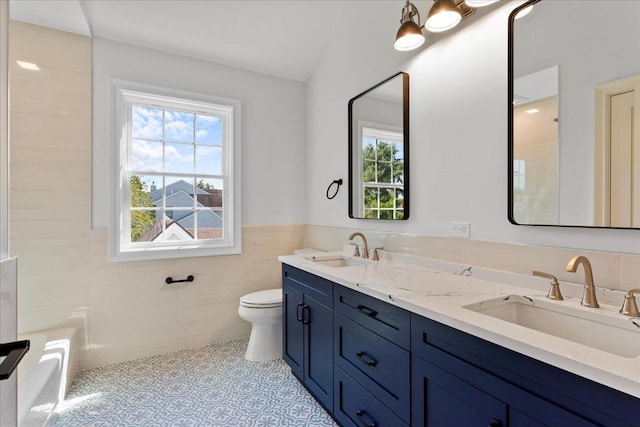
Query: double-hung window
x=383 y=173
x=177 y=177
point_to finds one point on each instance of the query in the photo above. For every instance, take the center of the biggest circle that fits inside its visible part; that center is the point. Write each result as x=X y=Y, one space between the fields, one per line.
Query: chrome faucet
x=589 y=298
x=365 y=253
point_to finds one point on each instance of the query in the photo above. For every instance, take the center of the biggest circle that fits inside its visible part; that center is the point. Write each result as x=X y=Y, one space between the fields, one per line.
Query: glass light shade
x=479 y=3
x=443 y=16
x=409 y=37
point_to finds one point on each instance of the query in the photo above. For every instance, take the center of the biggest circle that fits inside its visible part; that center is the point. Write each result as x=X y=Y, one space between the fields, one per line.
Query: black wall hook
x=169 y=280
x=335 y=193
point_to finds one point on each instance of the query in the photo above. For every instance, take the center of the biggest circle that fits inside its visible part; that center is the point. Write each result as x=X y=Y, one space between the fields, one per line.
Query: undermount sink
x=341 y=262
x=605 y=331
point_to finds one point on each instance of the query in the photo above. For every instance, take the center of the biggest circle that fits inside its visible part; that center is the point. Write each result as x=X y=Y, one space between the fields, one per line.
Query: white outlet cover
x=460 y=229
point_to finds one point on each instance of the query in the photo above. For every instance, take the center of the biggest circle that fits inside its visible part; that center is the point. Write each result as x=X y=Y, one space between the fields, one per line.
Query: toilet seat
x=271 y=298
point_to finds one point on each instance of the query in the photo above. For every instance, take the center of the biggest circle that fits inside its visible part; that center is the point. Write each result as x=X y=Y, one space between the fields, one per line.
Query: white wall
x=273 y=117
x=458 y=110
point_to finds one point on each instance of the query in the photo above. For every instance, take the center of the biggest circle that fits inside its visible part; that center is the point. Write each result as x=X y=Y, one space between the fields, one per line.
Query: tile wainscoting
x=125 y=311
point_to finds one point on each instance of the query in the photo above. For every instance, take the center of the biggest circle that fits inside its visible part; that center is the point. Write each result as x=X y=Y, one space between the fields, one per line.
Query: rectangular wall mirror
x=379 y=151
x=574 y=116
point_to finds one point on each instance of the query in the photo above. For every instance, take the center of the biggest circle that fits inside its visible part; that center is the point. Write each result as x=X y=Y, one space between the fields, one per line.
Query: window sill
x=144 y=254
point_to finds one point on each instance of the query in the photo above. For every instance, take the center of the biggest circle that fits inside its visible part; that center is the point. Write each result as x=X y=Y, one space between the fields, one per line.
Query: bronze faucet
x=589 y=298
x=365 y=253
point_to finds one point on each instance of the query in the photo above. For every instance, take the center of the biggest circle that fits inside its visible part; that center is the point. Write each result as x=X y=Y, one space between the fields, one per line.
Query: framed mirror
x=574 y=113
x=379 y=151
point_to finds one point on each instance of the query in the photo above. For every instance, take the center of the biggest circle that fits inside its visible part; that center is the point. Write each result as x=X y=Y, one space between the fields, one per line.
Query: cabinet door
x=442 y=399
x=292 y=329
x=318 y=358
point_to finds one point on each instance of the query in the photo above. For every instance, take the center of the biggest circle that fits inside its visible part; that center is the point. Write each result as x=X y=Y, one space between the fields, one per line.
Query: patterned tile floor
x=206 y=386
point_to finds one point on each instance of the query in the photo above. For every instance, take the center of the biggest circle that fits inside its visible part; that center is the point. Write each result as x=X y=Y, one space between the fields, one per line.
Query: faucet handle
x=629 y=307
x=554 y=291
x=356 y=249
x=376 y=257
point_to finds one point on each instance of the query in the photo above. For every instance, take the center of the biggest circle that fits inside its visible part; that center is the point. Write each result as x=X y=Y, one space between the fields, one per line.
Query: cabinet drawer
x=355 y=407
x=380 y=366
x=316 y=287
x=384 y=319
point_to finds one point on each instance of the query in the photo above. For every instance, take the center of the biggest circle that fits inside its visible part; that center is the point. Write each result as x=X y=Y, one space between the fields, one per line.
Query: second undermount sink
x=605 y=331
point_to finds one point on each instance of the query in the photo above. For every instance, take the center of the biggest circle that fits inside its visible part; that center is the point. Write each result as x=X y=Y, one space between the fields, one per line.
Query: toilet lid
x=268 y=298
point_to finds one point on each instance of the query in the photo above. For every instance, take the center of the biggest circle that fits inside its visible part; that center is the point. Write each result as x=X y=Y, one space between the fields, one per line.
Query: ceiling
x=282 y=38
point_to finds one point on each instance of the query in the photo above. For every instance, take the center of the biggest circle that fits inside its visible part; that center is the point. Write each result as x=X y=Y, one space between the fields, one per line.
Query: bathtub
x=45 y=374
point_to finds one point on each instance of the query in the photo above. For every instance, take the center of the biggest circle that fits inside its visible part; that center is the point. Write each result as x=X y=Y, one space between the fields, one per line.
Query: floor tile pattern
x=207 y=386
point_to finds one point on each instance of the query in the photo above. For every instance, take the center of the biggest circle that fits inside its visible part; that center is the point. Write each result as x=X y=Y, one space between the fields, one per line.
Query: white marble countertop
x=440 y=291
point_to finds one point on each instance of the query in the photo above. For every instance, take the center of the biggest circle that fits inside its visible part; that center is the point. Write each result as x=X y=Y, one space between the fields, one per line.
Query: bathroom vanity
x=405 y=342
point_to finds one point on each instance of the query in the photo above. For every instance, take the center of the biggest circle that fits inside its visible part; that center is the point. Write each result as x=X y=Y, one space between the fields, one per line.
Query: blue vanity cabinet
x=307 y=338
x=440 y=398
x=371 y=363
x=371 y=340
x=456 y=375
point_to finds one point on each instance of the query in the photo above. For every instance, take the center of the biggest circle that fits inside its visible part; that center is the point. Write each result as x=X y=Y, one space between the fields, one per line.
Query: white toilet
x=264 y=310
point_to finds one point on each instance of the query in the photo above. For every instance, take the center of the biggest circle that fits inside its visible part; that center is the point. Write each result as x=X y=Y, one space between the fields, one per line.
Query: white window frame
x=378 y=131
x=124 y=95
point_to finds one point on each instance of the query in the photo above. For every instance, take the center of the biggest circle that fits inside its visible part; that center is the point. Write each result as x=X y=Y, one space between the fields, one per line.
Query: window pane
x=208 y=130
x=208 y=160
x=386 y=197
x=209 y=224
x=385 y=151
x=399 y=150
x=145 y=226
x=384 y=172
x=142 y=191
x=146 y=122
x=183 y=218
x=370 y=197
x=210 y=192
x=384 y=214
x=399 y=198
x=368 y=148
x=399 y=214
x=369 y=171
x=398 y=172
x=178 y=158
x=146 y=155
x=179 y=192
x=371 y=213
x=178 y=126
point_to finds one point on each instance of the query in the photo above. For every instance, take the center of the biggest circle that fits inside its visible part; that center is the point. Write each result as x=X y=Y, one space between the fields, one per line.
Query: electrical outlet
x=459 y=229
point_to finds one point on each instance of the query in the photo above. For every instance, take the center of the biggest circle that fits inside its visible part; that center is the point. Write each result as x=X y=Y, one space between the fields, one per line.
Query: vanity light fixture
x=409 y=34
x=443 y=15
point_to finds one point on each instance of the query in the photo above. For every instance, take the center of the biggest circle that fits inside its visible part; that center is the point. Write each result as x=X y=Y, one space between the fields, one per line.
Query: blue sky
x=192 y=143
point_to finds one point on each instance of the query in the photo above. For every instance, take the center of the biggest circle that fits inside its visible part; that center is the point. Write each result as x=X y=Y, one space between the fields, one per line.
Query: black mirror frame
x=510 y=130
x=510 y=91
x=405 y=130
